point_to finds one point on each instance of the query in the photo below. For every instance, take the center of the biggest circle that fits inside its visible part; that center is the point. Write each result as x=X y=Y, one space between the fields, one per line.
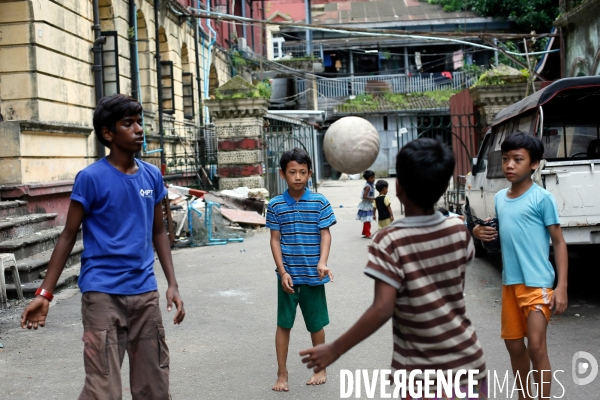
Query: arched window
x=213 y=80
x=187 y=83
x=110 y=49
x=145 y=61
x=166 y=73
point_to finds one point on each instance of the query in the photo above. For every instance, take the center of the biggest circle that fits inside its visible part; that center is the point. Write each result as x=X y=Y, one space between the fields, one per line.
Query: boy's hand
x=559 y=301
x=484 y=233
x=319 y=357
x=323 y=271
x=287 y=283
x=174 y=297
x=35 y=313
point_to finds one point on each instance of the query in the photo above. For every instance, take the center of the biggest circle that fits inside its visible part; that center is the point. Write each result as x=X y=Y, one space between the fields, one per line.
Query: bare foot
x=282 y=383
x=318 y=378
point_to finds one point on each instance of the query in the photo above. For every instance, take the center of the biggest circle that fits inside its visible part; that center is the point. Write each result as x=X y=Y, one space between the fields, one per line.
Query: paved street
x=225 y=347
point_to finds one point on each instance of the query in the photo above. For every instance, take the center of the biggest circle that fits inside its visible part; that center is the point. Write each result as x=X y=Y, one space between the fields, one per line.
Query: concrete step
x=31 y=268
x=67 y=278
x=15 y=226
x=12 y=208
x=28 y=245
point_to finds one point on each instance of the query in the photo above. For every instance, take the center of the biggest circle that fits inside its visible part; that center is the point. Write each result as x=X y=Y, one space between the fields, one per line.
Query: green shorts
x=312 y=303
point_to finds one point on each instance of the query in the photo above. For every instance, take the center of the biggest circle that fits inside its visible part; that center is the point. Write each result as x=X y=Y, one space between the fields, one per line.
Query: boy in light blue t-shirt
x=528 y=219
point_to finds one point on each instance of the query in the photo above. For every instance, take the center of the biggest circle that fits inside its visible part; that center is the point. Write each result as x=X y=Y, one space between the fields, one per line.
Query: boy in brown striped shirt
x=418 y=264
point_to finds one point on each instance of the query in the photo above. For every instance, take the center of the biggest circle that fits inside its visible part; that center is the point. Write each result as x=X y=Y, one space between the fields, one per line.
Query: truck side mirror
x=474 y=165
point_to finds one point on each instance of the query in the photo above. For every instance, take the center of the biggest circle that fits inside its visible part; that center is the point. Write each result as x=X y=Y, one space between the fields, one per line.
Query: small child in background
x=365 y=207
x=383 y=205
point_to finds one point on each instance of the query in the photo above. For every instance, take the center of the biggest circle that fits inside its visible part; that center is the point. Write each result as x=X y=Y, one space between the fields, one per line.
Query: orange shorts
x=517 y=301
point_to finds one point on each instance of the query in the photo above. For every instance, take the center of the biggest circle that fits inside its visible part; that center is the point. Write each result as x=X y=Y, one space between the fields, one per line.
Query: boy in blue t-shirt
x=300 y=240
x=118 y=201
x=528 y=219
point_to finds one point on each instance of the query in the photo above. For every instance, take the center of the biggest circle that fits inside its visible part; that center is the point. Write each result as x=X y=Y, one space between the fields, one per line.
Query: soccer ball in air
x=351 y=145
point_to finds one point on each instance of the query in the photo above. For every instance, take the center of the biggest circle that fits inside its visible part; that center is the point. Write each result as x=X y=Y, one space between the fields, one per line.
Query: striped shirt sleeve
x=326 y=216
x=381 y=264
x=470 y=248
x=272 y=221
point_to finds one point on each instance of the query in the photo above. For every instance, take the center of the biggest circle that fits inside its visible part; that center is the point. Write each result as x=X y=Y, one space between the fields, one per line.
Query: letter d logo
x=581 y=367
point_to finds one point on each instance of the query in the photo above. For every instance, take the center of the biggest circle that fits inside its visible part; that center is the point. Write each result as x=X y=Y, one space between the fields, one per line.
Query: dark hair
x=296 y=154
x=522 y=140
x=367 y=174
x=444 y=211
x=423 y=169
x=110 y=109
x=380 y=185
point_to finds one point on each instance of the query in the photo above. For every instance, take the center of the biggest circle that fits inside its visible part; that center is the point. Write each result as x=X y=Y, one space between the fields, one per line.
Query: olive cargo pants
x=113 y=324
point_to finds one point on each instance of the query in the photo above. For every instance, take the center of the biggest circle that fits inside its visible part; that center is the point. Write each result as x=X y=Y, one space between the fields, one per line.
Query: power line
x=375 y=32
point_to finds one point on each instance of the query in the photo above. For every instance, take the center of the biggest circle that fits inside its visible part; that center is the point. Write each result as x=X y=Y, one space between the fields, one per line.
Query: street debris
x=244 y=217
x=203 y=218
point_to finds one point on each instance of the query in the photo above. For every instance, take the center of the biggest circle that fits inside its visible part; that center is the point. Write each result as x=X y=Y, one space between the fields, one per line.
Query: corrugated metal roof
x=384 y=11
x=286 y=119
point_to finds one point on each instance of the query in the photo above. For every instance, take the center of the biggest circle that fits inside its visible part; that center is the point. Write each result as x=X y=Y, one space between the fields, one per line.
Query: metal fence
x=282 y=134
x=344 y=87
x=299 y=50
x=194 y=159
x=461 y=132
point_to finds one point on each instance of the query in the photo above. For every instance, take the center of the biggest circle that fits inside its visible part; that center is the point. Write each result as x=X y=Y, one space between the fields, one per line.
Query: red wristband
x=44 y=293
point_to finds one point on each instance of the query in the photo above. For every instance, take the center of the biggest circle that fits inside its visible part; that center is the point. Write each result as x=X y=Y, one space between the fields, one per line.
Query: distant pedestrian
x=118 y=200
x=382 y=212
x=528 y=219
x=299 y=221
x=419 y=264
x=365 y=207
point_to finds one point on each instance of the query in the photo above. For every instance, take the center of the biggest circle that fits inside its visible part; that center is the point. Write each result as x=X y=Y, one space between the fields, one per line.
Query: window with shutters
x=110 y=63
x=168 y=93
x=188 y=95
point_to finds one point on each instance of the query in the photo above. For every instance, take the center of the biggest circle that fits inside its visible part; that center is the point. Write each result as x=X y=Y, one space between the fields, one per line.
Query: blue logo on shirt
x=146 y=193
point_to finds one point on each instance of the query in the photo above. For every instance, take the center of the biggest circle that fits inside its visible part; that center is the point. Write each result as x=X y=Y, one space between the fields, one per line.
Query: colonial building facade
x=55 y=55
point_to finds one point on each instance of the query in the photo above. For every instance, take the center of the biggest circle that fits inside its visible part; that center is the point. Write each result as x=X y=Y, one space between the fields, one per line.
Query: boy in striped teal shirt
x=299 y=221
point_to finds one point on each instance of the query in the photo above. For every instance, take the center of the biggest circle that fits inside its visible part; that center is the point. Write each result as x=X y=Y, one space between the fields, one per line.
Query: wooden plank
x=243 y=217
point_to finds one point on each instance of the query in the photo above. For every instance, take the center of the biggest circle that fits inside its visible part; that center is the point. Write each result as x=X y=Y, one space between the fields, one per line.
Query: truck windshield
x=571 y=142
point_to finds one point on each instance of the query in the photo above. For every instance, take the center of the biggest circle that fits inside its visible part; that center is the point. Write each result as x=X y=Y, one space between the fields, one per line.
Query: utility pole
x=163 y=160
x=496 y=52
x=351 y=71
x=308 y=31
x=262 y=30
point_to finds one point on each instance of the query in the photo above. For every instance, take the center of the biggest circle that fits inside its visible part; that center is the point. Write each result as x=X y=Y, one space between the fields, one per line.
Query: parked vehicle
x=566 y=116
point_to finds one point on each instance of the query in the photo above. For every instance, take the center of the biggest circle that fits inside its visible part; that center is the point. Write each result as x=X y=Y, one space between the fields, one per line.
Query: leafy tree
x=535 y=15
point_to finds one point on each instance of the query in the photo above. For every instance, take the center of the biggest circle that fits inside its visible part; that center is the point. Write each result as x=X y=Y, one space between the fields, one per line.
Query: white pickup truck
x=566 y=116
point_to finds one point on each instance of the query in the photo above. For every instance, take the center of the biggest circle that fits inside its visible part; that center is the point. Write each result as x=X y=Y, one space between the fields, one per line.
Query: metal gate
x=281 y=134
x=194 y=162
x=461 y=132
